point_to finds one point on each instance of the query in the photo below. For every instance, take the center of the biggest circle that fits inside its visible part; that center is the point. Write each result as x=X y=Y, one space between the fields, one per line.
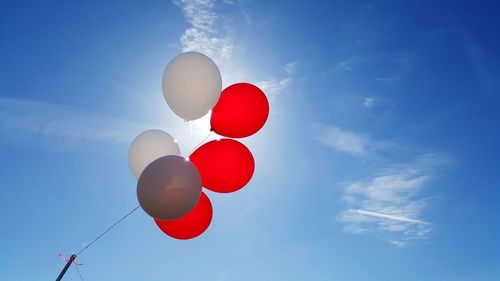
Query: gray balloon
x=169 y=187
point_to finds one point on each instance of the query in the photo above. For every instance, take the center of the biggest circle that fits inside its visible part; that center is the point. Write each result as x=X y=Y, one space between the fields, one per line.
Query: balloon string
x=109 y=228
x=190 y=130
x=79 y=274
x=203 y=140
x=133 y=210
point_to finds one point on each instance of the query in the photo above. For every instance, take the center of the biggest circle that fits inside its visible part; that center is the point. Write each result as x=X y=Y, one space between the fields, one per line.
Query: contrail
x=387 y=216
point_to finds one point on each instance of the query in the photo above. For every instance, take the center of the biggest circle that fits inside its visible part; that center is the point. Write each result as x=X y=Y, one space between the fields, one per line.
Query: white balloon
x=149 y=146
x=191 y=85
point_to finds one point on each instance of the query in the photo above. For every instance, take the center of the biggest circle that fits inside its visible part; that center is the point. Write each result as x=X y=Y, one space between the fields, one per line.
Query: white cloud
x=291 y=67
x=63 y=123
x=483 y=67
x=273 y=87
x=350 y=64
x=205 y=35
x=390 y=203
x=217 y=48
x=199 y=13
x=354 y=143
x=343 y=140
x=369 y=102
x=387 y=216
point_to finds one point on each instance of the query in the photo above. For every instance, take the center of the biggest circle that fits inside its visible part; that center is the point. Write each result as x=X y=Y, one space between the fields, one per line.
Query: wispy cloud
x=199 y=13
x=486 y=74
x=62 y=123
x=369 y=102
x=61 y=126
x=291 y=67
x=203 y=35
x=387 y=216
x=391 y=203
x=209 y=35
x=405 y=60
x=342 y=140
x=351 y=142
x=273 y=87
x=350 y=64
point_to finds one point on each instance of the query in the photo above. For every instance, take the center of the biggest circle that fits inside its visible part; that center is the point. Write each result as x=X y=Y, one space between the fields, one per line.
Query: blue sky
x=379 y=160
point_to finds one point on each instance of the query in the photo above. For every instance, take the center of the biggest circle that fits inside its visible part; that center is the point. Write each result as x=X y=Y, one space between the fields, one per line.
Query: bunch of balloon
x=169 y=187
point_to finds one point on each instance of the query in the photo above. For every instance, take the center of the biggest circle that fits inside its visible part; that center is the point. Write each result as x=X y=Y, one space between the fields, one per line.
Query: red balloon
x=191 y=225
x=224 y=165
x=241 y=111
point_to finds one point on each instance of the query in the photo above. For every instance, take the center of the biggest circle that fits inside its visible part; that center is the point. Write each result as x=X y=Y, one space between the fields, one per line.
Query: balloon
x=169 y=187
x=191 y=225
x=225 y=165
x=149 y=146
x=241 y=111
x=191 y=85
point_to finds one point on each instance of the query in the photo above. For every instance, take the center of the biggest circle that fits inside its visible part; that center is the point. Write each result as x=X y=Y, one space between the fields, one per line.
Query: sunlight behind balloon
x=155 y=112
